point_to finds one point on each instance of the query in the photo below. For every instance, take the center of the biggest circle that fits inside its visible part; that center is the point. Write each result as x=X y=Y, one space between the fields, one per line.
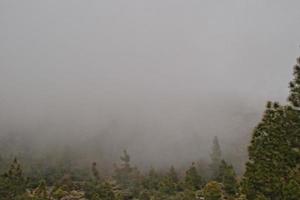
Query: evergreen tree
x=125 y=158
x=193 y=180
x=274 y=152
x=294 y=97
x=100 y=191
x=291 y=190
x=172 y=174
x=41 y=191
x=212 y=191
x=152 y=180
x=126 y=176
x=216 y=158
x=95 y=171
x=169 y=183
x=13 y=183
x=227 y=177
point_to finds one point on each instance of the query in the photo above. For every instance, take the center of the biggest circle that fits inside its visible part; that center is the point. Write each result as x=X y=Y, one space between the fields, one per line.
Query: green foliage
x=100 y=190
x=241 y=197
x=274 y=152
x=172 y=175
x=272 y=172
x=291 y=190
x=152 y=180
x=12 y=183
x=294 y=97
x=42 y=190
x=193 y=180
x=187 y=195
x=212 y=191
x=227 y=177
x=126 y=176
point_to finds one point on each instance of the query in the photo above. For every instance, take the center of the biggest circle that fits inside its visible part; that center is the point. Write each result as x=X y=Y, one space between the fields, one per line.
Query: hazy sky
x=161 y=67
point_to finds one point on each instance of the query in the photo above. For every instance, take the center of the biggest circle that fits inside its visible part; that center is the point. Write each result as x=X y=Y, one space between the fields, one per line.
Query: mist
x=158 y=78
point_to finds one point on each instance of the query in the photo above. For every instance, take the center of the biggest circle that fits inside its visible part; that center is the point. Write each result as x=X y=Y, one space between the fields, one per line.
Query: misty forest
x=149 y=100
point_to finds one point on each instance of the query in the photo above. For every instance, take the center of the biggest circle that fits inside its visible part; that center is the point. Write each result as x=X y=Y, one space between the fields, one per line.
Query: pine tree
x=169 y=182
x=294 y=97
x=41 y=191
x=126 y=176
x=274 y=152
x=100 y=191
x=227 y=177
x=13 y=183
x=216 y=158
x=125 y=158
x=291 y=190
x=212 y=191
x=95 y=171
x=172 y=174
x=193 y=180
x=152 y=180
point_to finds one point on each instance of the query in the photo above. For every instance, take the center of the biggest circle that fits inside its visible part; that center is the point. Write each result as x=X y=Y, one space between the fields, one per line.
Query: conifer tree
x=227 y=177
x=216 y=158
x=100 y=191
x=294 y=97
x=126 y=176
x=13 y=183
x=169 y=183
x=125 y=158
x=152 y=180
x=193 y=180
x=212 y=191
x=274 y=153
x=172 y=174
x=95 y=171
x=41 y=191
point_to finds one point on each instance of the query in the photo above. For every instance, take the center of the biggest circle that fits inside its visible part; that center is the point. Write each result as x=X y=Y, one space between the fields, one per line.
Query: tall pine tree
x=126 y=176
x=274 y=153
x=216 y=158
x=193 y=180
x=227 y=177
x=12 y=183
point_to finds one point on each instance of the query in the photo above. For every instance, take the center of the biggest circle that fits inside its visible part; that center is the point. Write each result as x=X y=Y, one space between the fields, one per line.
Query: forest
x=272 y=170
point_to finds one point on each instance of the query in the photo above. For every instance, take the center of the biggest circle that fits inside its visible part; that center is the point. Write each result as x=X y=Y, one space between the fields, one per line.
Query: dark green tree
x=274 y=153
x=169 y=183
x=294 y=97
x=212 y=191
x=152 y=180
x=291 y=190
x=100 y=191
x=13 y=182
x=193 y=180
x=172 y=174
x=41 y=191
x=227 y=177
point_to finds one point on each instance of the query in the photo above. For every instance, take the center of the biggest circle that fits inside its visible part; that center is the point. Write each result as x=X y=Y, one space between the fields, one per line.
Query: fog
x=159 y=78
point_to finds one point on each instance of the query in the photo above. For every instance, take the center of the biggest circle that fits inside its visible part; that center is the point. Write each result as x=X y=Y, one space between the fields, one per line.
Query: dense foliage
x=274 y=154
x=125 y=182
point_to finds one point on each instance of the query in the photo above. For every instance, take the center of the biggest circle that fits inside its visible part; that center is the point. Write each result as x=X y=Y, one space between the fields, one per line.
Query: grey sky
x=159 y=67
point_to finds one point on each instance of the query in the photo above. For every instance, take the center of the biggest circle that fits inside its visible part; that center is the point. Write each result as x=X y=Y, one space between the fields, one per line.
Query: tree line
x=272 y=171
